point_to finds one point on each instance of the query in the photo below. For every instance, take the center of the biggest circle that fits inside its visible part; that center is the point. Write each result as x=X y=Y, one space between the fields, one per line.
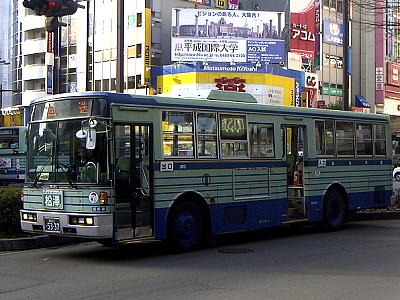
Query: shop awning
x=361 y=102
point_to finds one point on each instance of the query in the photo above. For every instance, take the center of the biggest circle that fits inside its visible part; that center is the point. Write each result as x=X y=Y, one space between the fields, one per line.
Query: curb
x=390 y=215
x=35 y=242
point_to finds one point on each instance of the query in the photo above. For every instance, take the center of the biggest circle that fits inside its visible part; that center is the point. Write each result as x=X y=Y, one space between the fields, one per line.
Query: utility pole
x=120 y=86
x=346 y=67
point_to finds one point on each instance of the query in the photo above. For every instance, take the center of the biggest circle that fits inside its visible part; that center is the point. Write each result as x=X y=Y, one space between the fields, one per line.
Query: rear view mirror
x=90 y=139
x=81 y=134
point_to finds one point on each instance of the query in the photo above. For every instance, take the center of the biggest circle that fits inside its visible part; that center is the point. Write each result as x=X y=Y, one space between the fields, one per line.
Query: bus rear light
x=103 y=198
x=29 y=217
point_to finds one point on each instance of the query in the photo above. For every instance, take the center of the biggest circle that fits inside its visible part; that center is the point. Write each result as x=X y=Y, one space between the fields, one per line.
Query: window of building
x=139 y=20
x=233 y=133
x=345 y=138
x=113 y=84
x=131 y=51
x=177 y=134
x=380 y=139
x=138 y=81
x=207 y=135
x=364 y=139
x=106 y=84
x=138 y=50
x=131 y=82
x=261 y=140
x=97 y=85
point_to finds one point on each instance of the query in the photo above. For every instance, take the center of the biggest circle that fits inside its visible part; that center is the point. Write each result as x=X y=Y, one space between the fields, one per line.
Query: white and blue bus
x=185 y=169
x=12 y=154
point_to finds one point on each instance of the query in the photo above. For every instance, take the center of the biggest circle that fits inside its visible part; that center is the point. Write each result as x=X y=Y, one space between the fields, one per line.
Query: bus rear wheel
x=187 y=227
x=335 y=210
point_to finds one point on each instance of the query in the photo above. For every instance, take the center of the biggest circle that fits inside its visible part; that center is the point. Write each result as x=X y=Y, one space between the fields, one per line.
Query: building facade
x=5 y=51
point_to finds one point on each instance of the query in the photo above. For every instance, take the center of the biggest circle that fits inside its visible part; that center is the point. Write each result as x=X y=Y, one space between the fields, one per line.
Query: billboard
x=227 y=36
x=201 y=2
x=333 y=33
x=266 y=88
x=302 y=18
x=393 y=74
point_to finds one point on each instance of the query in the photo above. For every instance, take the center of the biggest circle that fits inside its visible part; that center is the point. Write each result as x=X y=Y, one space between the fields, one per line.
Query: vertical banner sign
x=223 y=4
x=393 y=74
x=317 y=60
x=302 y=18
x=379 y=51
x=147 y=49
x=49 y=62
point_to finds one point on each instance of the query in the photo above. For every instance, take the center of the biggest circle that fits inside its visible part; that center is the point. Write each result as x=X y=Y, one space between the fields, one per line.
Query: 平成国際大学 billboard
x=227 y=36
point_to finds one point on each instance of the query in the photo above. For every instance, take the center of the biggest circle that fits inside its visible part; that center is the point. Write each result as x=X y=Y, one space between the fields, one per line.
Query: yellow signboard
x=266 y=88
x=147 y=48
x=221 y=4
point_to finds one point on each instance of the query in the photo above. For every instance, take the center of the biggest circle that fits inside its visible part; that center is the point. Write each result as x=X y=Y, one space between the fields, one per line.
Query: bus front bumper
x=67 y=224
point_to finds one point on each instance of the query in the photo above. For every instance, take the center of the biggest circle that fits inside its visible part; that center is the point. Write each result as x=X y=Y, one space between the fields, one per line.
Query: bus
x=184 y=169
x=12 y=154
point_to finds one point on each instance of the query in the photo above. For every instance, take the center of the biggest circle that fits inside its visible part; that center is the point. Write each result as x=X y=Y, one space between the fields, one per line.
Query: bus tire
x=335 y=210
x=186 y=227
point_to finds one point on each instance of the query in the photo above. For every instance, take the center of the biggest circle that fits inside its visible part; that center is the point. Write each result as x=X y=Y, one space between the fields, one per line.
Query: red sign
x=303 y=28
x=393 y=77
x=235 y=84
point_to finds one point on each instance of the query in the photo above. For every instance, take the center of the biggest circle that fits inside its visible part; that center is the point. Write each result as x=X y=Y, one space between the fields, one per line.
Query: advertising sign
x=227 y=36
x=333 y=61
x=201 y=2
x=233 y=4
x=223 y=4
x=303 y=28
x=333 y=33
x=317 y=60
x=393 y=74
x=147 y=48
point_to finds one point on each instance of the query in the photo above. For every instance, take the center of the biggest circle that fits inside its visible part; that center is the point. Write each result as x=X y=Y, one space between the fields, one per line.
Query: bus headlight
x=29 y=217
x=103 y=198
x=81 y=220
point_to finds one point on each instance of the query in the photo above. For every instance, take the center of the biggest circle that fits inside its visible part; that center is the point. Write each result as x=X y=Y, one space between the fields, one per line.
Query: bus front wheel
x=186 y=227
x=334 y=210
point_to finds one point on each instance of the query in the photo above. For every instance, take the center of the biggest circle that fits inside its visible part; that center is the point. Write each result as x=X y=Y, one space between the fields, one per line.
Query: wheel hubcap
x=186 y=228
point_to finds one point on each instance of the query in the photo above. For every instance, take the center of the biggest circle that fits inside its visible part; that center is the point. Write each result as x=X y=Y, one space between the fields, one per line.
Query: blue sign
x=333 y=33
x=269 y=51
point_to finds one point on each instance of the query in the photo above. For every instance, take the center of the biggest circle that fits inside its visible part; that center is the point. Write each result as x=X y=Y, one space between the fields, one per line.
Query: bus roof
x=215 y=100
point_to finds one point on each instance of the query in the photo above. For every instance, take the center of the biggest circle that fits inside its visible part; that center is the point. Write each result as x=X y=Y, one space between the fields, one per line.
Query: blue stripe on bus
x=222 y=165
x=67 y=204
x=349 y=162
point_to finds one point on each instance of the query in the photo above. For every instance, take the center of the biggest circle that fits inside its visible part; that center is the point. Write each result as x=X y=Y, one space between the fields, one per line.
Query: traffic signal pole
x=120 y=86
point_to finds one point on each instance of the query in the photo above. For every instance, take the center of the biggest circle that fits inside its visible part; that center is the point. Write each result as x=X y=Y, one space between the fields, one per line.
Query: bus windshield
x=58 y=152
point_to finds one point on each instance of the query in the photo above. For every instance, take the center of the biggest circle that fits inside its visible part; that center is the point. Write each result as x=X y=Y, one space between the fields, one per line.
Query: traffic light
x=52 y=8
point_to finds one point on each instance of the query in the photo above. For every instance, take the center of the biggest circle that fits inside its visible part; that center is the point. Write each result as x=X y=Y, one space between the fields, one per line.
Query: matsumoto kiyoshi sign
x=227 y=35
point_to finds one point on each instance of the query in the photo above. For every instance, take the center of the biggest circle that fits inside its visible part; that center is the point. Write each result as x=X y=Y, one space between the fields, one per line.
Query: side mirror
x=91 y=139
x=81 y=134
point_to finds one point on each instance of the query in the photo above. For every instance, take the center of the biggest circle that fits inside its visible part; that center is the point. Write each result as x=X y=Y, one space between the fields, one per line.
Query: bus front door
x=133 y=181
x=293 y=139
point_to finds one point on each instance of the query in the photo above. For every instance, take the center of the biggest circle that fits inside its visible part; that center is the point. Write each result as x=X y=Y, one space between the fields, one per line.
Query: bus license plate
x=53 y=199
x=52 y=224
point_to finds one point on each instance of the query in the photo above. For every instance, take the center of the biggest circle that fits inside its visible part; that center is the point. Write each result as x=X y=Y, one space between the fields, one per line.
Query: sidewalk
x=35 y=242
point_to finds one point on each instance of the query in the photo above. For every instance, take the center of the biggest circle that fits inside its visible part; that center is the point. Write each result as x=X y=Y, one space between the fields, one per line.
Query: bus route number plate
x=53 y=199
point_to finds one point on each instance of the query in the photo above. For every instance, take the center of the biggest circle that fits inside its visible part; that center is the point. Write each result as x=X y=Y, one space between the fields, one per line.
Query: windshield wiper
x=66 y=173
x=40 y=172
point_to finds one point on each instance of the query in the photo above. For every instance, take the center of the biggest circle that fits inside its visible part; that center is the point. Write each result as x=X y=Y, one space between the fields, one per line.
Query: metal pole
x=120 y=86
x=346 y=104
x=1 y=95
